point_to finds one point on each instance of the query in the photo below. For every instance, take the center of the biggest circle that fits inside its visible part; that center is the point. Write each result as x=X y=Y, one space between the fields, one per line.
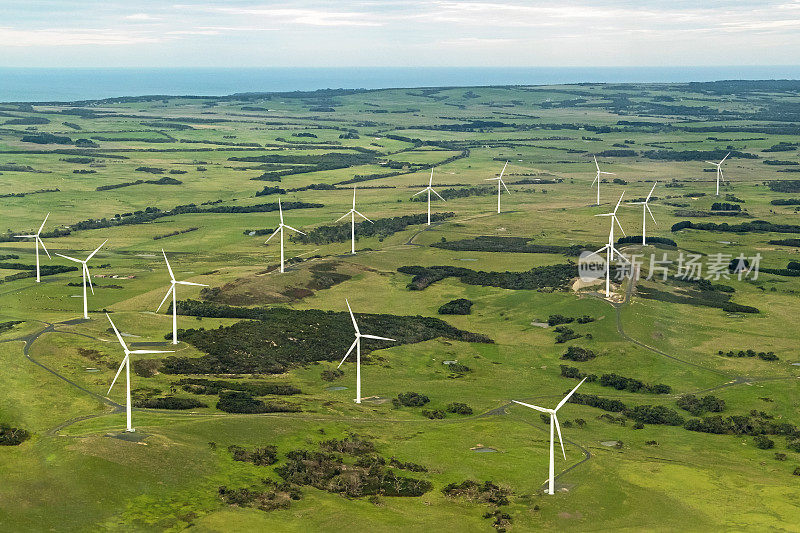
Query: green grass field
x=73 y=474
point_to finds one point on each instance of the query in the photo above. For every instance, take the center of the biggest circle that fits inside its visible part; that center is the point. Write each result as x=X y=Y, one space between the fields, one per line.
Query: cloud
x=66 y=37
x=308 y=16
x=140 y=16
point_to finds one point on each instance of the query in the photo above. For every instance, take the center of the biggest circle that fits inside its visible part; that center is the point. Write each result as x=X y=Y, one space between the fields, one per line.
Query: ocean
x=71 y=84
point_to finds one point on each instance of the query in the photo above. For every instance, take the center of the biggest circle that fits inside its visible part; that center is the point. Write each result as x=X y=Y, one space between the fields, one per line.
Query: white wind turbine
x=357 y=345
x=280 y=228
x=430 y=190
x=719 y=170
x=86 y=276
x=609 y=248
x=597 y=178
x=500 y=182
x=645 y=210
x=174 y=298
x=353 y=214
x=553 y=422
x=126 y=362
x=37 y=241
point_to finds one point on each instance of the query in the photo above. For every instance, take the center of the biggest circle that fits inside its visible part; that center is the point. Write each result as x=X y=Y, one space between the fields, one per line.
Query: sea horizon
x=43 y=84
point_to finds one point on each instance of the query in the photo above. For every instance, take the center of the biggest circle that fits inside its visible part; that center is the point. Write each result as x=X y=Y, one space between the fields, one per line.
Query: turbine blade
x=568 y=396
x=651 y=192
x=560 y=440
x=615 y=251
x=365 y=218
x=348 y=351
x=43 y=246
x=420 y=192
x=504 y=186
x=711 y=163
x=651 y=214
x=121 y=340
x=600 y=250
x=171 y=288
x=615 y=219
x=619 y=201
x=341 y=217
x=430 y=181
x=542 y=409
x=88 y=277
x=378 y=338
x=171 y=275
x=25 y=236
x=352 y=317
x=724 y=158
x=294 y=229
x=124 y=359
x=595 y=163
x=439 y=195
x=609 y=173
x=354 y=197
x=191 y=283
x=280 y=209
x=503 y=171
x=273 y=234
x=96 y=250
x=42 y=226
x=595 y=180
x=68 y=257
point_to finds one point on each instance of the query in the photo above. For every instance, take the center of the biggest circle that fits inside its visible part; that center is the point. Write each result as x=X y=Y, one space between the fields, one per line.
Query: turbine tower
x=357 y=345
x=500 y=182
x=126 y=362
x=174 y=298
x=430 y=190
x=37 y=241
x=553 y=422
x=645 y=211
x=597 y=178
x=280 y=228
x=609 y=248
x=719 y=170
x=86 y=276
x=353 y=214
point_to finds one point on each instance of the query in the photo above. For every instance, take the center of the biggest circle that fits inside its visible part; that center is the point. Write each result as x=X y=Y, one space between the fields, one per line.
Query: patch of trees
x=743 y=425
x=695 y=155
x=254 y=388
x=779 y=162
x=29 y=271
x=637 y=239
x=168 y=402
x=331 y=375
x=699 y=406
x=263 y=456
x=787 y=186
x=786 y=201
x=266 y=191
x=565 y=334
x=642 y=414
x=616 y=381
x=618 y=153
x=785 y=242
x=26 y=121
x=176 y=232
x=413 y=168
x=269 y=496
x=781 y=147
x=72 y=125
x=352 y=473
x=410 y=399
x=451 y=193
x=163 y=181
x=459 y=408
x=744 y=227
x=46 y=138
x=6 y=326
x=459 y=306
x=151 y=170
x=725 y=206
x=705 y=298
x=275 y=339
x=576 y=353
x=486 y=243
x=243 y=402
x=766 y=356
x=10 y=436
x=549 y=276
x=381 y=228
x=304 y=163
x=486 y=492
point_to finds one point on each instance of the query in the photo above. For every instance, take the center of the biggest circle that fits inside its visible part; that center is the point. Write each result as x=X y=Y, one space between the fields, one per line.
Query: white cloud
x=71 y=37
x=140 y=16
x=310 y=17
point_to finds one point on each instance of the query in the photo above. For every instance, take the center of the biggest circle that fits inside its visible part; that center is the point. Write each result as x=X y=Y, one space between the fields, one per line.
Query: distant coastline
x=71 y=84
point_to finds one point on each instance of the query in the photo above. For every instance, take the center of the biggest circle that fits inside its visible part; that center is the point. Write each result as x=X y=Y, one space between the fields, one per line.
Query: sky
x=303 y=33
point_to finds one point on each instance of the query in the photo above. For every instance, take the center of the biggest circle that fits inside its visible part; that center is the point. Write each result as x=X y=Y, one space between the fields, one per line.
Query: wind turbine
x=645 y=210
x=609 y=248
x=597 y=178
x=37 y=241
x=174 y=298
x=357 y=345
x=86 y=276
x=353 y=214
x=280 y=228
x=500 y=182
x=430 y=190
x=126 y=362
x=553 y=422
x=719 y=170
